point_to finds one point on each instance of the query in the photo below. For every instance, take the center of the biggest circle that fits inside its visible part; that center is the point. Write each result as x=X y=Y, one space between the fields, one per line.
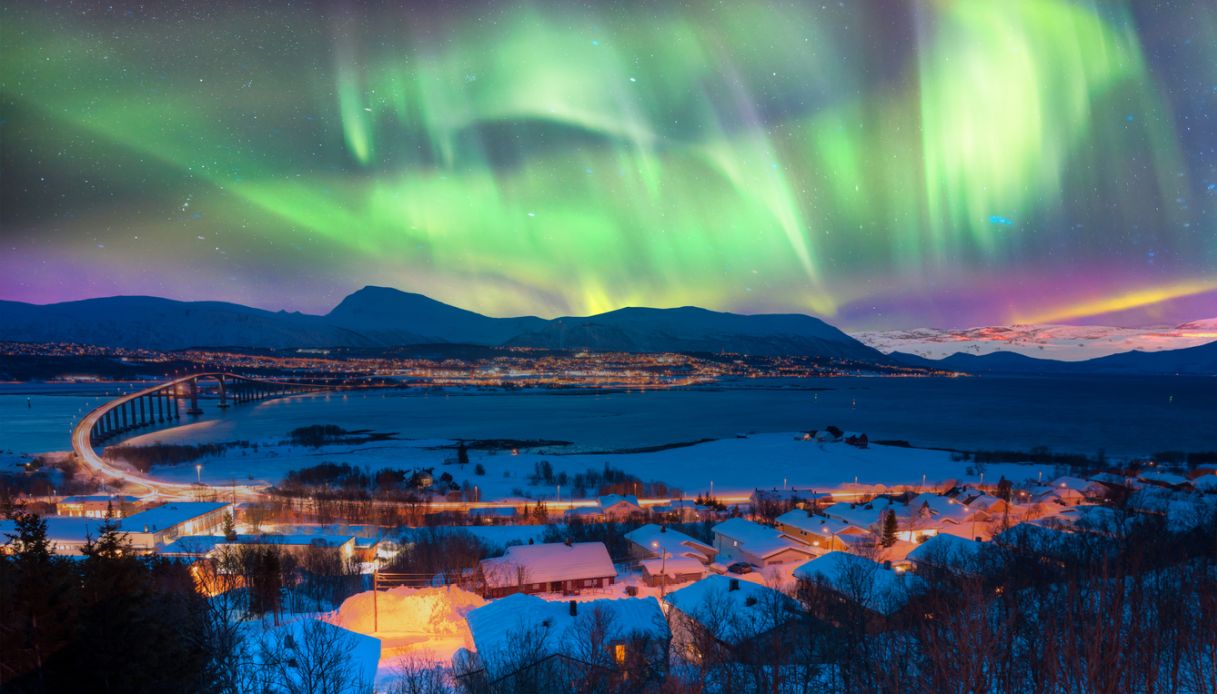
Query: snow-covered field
x=733 y=466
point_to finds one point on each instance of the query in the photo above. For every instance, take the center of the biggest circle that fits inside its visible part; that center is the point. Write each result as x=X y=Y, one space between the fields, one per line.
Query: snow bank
x=423 y=611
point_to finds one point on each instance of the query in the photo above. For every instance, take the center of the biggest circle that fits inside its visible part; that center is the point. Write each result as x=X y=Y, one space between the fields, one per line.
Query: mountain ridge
x=381 y=316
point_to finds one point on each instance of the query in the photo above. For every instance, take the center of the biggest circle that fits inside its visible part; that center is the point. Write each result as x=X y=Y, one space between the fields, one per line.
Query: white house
x=618 y=507
x=650 y=540
x=823 y=532
x=737 y=539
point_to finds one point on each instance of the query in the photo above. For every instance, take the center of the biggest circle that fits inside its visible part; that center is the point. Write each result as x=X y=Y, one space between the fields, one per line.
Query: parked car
x=740 y=567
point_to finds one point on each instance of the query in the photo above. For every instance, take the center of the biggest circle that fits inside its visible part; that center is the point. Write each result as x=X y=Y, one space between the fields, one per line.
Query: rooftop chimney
x=733 y=585
x=574 y=608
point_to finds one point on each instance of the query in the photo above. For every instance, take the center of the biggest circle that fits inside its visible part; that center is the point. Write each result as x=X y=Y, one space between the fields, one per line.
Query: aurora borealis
x=880 y=164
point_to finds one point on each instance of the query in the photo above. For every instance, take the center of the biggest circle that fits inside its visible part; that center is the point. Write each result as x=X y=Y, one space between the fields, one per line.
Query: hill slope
x=381 y=317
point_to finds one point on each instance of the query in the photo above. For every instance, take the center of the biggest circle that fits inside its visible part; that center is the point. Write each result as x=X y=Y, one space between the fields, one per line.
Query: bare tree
x=314 y=658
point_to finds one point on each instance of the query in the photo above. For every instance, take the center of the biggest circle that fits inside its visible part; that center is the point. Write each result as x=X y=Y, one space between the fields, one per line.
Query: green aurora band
x=872 y=163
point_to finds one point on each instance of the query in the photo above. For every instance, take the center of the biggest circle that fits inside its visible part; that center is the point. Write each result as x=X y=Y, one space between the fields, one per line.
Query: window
x=619 y=653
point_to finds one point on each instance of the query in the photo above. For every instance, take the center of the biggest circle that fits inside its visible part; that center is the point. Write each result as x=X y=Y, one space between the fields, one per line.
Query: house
x=720 y=616
x=678 y=569
x=1051 y=545
x=650 y=540
x=1163 y=479
x=302 y=547
x=67 y=534
x=838 y=583
x=1058 y=496
x=867 y=516
x=796 y=498
x=146 y=530
x=949 y=554
x=1205 y=483
x=822 y=531
x=618 y=507
x=587 y=514
x=163 y=524
x=556 y=567
x=737 y=539
x=96 y=506
x=522 y=642
x=681 y=510
x=1089 y=518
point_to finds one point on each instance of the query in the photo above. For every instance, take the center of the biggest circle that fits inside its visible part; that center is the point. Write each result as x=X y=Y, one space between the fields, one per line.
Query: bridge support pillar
x=223 y=392
x=194 y=398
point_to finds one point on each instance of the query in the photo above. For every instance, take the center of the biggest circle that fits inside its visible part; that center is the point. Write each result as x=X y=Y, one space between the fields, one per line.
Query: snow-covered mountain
x=1062 y=342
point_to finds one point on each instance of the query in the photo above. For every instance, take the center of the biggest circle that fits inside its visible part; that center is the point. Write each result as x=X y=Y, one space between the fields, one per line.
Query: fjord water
x=1120 y=415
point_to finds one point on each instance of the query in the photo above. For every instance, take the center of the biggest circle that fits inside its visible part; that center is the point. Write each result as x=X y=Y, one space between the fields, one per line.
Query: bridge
x=161 y=404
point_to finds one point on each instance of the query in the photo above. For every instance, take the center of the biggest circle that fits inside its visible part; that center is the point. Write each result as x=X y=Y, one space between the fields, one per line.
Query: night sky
x=882 y=164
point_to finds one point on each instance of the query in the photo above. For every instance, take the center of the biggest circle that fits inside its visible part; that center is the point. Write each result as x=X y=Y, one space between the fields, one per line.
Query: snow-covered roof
x=505 y=627
x=674 y=542
x=942 y=508
x=543 y=563
x=202 y=544
x=1160 y=477
x=169 y=515
x=673 y=566
x=1205 y=483
x=1086 y=517
x=733 y=615
x=60 y=529
x=1077 y=484
x=859 y=579
x=1109 y=478
x=757 y=539
x=948 y=551
x=613 y=499
x=862 y=515
x=822 y=525
x=585 y=512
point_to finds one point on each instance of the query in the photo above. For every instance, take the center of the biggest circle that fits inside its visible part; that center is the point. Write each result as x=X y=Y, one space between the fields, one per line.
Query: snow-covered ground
x=424 y=623
x=1064 y=342
x=731 y=466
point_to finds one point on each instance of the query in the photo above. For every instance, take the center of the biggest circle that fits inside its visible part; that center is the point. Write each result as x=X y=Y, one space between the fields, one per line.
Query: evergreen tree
x=29 y=543
x=111 y=542
x=890 y=528
x=230 y=528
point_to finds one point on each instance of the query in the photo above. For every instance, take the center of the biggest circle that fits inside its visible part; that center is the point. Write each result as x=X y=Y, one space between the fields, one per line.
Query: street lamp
x=663 y=568
x=198 y=471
